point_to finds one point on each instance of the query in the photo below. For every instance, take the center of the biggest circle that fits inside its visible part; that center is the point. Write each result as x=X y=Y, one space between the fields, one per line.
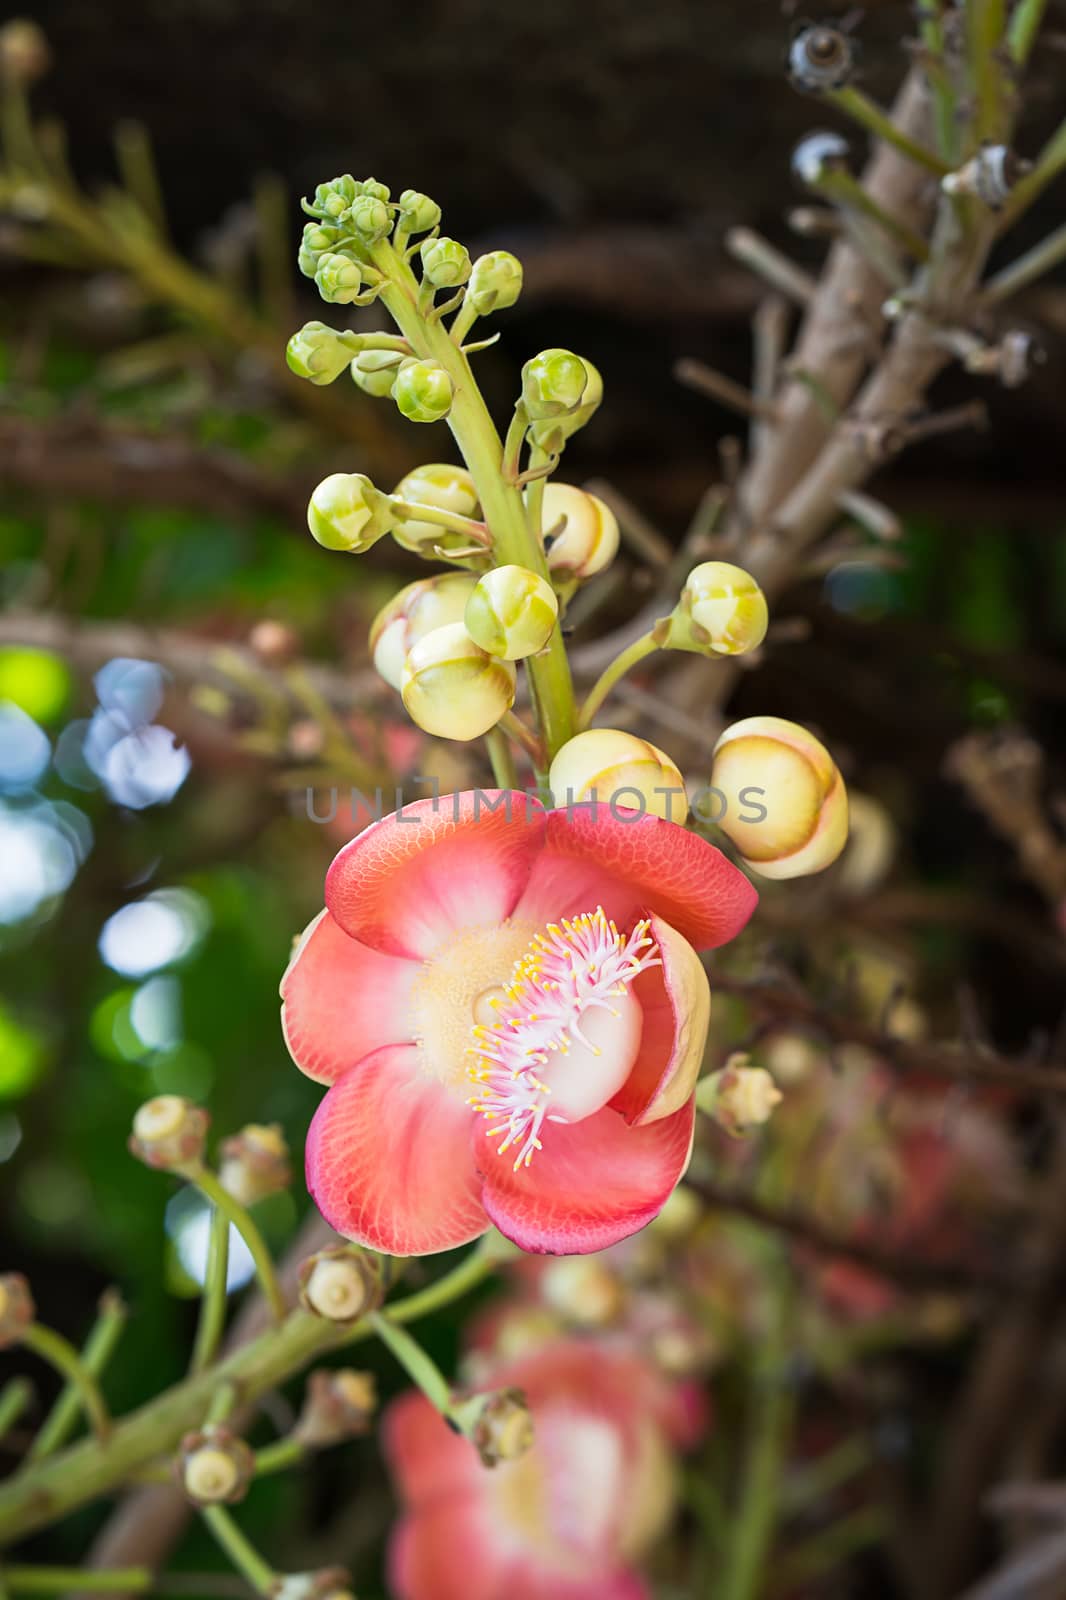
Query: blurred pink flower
x=509 y=1007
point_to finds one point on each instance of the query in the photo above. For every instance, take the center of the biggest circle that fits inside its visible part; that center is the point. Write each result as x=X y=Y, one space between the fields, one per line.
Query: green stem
x=644 y=646
x=211 y=1188
x=55 y=1580
x=932 y=32
x=986 y=22
x=410 y=511
x=861 y=109
x=240 y=1550
x=99 y=1348
x=1049 y=163
x=279 y=1457
x=61 y=1354
x=502 y=758
x=516 y=729
x=420 y=1367
x=848 y=192
x=213 y=1304
x=1023 y=28
x=15 y=1397
x=1033 y=264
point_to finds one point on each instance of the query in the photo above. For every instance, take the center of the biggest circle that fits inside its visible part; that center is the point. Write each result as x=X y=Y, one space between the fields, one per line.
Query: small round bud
x=418 y=213
x=818 y=154
x=587 y=538
x=740 y=1097
x=376 y=190
x=445 y=263
x=24 y=52
x=495 y=282
x=553 y=384
x=332 y=199
x=337 y=1405
x=552 y=434
x=990 y=176
x=370 y=217
x=498 y=1425
x=215 y=1467
x=374 y=371
x=820 y=58
x=423 y=391
x=338 y=278
x=417 y=610
x=347 y=513
x=608 y=767
x=722 y=611
x=511 y=612
x=273 y=642
x=784 y=802
x=317 y=353
x=444 y=487
x=318 y=240
x=343 y=1284
x=255 y=1163
x=169 y=1133
x=454 y=689
x=17 y=1309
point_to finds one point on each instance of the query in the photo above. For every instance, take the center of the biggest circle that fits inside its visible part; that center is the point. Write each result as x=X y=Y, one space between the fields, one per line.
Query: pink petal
x=668 y=870
x=448 y=1551
x=409 y=883
x=593 y=1183
x=426 y=1458
x=342 y=1000
x=676 y=1001
x=389 y=1159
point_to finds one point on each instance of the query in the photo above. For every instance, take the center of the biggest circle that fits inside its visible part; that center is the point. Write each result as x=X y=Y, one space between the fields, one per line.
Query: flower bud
x=454 y=689
x=370 y=217
x=169 y=1133
x=784 y=802
x=317 y=353
x=347 y=513
x=374 y=371
x=337 y=1405
x=551 y=435
x=338 y=278
x=255 y=1163
x=444 y=487
x=791 y=1057
x=608 y=767
x=215 y=1467
x=445 y=263
x=553 y=384
x=342 y=1284
x=418 y=213
x=423 y=391
x=820 y=58
x=498 y=1425
x=495 y=282
x=587 y=540
x=817 y=155
x=583 y=1290
x=24 y=52
x=722 y=611
x=740 y=1097
x=417 y=610
x=17 y=1309
x=274 y=643
x=990 y=175
x=332 y=199
x=376 y=190
x=318 y=240
x=511 y=612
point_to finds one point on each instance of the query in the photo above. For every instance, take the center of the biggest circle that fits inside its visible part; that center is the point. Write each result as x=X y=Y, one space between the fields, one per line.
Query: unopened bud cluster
x=342 y=1284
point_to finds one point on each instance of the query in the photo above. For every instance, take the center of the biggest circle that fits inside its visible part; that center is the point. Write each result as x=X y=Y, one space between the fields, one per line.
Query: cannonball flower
x=570 y=1517
x=508 y=1006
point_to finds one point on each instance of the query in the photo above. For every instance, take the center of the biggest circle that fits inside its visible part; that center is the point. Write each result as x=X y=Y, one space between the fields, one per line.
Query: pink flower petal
x=389 y=1159
x=409 y=883
x=449 y=1551
x=427 y=1459
x=676 y=1001
x=668 y=870
x=342 y=1000
x=593 y=1183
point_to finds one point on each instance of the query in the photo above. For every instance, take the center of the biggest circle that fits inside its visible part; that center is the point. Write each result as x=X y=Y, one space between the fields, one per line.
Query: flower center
x=566 y=1031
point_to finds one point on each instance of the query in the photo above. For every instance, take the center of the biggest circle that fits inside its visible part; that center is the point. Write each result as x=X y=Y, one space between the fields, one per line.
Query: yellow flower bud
x=342 y=1284
x=722 y=611
x=338 y=1404
x=417 y=610
x=454 y=689
x=616 y=769
x=347 y=513
x=587 y=537
x=552 y=433
x=255 y=1163
x=740 y=1097
x=511 y=612
x=444 y=487
x=169 y=1133
x=17 y=1309
x=215 y=1467
x=423 y=391
x=498 y=1425
x=784 y=803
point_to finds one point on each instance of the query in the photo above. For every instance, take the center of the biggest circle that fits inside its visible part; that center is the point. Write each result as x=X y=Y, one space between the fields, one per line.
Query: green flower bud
x=511 y=612
x=423 y=391
x=332 y=199
x=370 y=217
x=553 y=384
x=417 y=610
x=445 y=263
x=338 y=278
x=317 y=353
x=418 y=213
x=444 y=487
x=454 y=689
x=553 y=434
x=374 y=371
x=347 y=513
x=722 y=611
x=317 y=241
x=376 y=190
x=495 y=282
x=588 y=540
